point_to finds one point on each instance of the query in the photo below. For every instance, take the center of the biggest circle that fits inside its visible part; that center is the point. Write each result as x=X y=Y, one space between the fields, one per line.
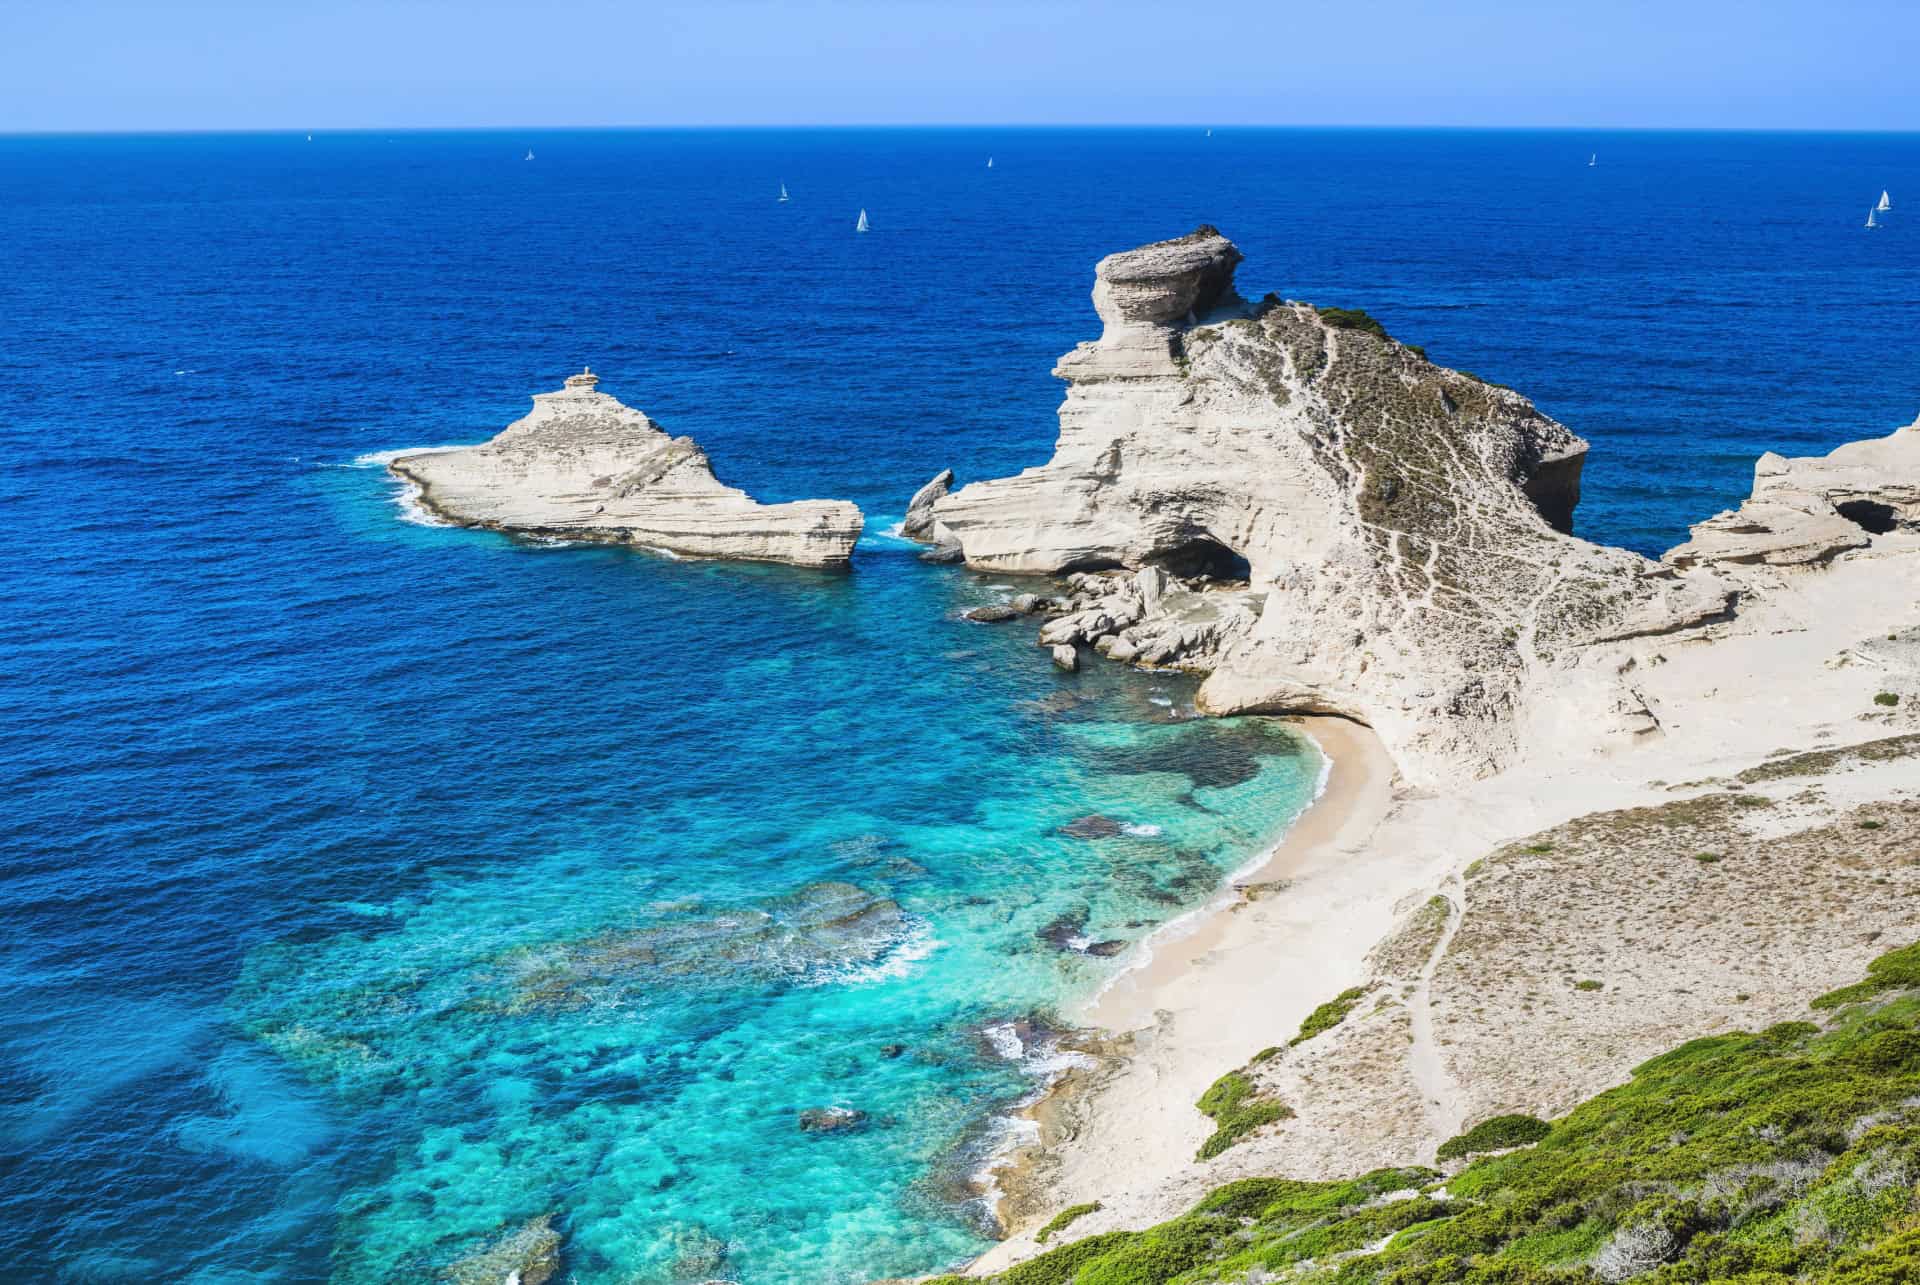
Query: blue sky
x=218 y=64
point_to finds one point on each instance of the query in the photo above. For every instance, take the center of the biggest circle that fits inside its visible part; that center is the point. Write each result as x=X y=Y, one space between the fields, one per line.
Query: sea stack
x=1320 y=519
x=585 y=466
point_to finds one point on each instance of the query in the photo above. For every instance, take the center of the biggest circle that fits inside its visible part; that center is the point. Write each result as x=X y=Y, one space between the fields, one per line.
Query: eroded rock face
x=583 y=465
x=1808 y=510
x=918 y=524
x=1346 y=528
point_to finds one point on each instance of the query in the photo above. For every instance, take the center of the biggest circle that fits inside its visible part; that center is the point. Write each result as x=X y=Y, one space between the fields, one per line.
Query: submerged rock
x=992 y=613
x=1065 y=929
x=1106 y=949
x=527 y=1255
x=1093 y=826
x=583 y=465
x=830 y=1119
x=1320 y=520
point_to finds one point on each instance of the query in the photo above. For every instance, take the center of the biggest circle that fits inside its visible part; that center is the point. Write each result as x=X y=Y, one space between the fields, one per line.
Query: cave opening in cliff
x=1202 y=556
x=1870 y=516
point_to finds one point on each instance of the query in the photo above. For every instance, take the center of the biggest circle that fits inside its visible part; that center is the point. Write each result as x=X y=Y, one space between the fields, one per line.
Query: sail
x=1886 y=202
x=783 y=191
x=1870 y=220
x=861 y=226
x=989 y=162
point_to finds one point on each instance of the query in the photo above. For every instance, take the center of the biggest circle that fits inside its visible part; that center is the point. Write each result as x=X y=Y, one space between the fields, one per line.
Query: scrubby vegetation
x=1497 y=1134
x=1329 y=1014
x=1791 y=1155
x=1237 y=1109
x=1889 y=699
x=1064 y=1217
x=1353 y=319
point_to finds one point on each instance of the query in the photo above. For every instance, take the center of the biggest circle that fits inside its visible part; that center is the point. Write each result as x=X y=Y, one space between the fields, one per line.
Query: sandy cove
x=1798 y=669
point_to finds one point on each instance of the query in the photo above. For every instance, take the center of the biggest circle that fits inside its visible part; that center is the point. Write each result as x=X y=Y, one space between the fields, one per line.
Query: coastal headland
x=1583 y=806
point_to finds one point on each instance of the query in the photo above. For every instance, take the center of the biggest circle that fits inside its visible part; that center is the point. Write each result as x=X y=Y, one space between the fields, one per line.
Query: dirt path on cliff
x=1439 y=1094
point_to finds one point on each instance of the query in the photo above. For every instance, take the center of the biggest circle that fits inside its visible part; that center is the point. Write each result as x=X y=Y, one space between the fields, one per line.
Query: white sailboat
x=783 y=191
x=1886 y=202
x=1871 y=221
x=529 y=153
x=989 y=162
x=861 y=226
x=1209 y=133
x=1593 y=160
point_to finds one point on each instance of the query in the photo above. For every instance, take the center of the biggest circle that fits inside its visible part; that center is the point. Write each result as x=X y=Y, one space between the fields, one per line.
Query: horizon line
x=829 y=127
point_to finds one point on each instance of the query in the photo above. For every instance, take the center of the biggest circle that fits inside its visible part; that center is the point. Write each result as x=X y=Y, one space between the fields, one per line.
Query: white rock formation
x=918 y=524
x=1370 y=535
x=583 y=465
x=1810 y=509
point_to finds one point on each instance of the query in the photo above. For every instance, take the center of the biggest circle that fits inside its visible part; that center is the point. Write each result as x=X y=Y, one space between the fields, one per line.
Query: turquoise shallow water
x=368 y=889
x=878 y=891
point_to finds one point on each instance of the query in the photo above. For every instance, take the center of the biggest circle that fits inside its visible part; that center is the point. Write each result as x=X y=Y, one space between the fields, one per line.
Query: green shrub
x=1895 y=970
x=1496 y=1134
x=1353 y=319
x=1587 y=984
x=1157 y=1256
x=1785 y=1157
x=1889 y=699
x=1237 y=1109
x=1058 y=1266
x=1064 y=1217
x=1329 y=1014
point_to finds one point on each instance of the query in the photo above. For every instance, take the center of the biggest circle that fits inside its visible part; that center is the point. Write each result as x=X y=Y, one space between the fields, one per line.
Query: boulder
x=1065 y=657
x=918 y=524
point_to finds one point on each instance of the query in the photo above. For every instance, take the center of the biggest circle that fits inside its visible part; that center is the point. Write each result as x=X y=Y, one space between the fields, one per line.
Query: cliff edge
x=583 y=465
x=1354 y=530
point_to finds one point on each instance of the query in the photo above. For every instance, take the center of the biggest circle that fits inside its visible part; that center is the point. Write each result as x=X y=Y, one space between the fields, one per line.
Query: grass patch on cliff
x=1064 y=1217
x=1499 y=1133
x=1788 y=1155
x=1353 y=319
x=1329 y=1014
x=1236 y=1106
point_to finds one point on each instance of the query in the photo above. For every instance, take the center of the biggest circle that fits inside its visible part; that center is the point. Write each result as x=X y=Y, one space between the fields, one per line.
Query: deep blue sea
x=371 y=888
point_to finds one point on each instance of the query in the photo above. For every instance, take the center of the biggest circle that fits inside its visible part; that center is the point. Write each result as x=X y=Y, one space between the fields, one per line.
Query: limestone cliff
x=1392 y=533
x=583 y=465
x=1806 y=511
